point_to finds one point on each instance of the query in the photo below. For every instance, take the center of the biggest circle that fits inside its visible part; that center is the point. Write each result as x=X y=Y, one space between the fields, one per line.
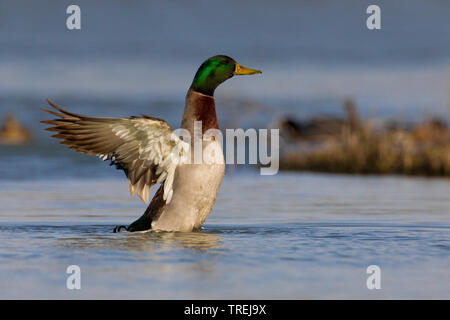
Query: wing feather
x=145 y=148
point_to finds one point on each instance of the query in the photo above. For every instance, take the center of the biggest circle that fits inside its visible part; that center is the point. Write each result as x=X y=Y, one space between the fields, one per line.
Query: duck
x=150 y=152
x=13 y=133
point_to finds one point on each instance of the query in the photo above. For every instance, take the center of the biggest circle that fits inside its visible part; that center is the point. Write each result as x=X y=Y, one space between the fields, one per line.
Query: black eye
x=223 y=62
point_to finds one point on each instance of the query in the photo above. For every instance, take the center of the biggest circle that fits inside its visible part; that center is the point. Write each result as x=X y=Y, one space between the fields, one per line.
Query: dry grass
x=421 y=150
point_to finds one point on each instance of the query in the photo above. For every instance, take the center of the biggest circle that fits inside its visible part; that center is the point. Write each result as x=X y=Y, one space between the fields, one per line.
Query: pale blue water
x=286 y=236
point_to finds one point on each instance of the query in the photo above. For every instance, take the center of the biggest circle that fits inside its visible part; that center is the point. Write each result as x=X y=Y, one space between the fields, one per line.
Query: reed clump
x=357 y=147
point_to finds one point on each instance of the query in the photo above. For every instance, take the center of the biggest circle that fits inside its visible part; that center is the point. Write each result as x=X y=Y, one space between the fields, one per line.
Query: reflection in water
x=100 y=239
x=328 y=230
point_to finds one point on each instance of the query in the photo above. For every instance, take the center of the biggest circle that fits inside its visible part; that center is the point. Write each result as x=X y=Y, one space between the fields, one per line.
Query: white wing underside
x=146 y=148
x=163 y=149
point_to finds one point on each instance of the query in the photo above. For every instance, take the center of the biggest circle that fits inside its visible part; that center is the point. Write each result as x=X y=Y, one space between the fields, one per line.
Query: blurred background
x=347 y=99
x=139 y=57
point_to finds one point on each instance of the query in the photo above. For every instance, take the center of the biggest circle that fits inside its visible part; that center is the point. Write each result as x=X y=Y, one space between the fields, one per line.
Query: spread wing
x=145 y=148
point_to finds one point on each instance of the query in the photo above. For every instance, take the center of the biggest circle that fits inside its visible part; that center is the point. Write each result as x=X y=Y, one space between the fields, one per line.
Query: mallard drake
x=149 y=152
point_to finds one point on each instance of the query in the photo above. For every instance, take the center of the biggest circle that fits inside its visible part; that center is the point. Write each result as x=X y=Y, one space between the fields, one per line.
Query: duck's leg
x=141 y=224
x=118 y=228
x=154 y=209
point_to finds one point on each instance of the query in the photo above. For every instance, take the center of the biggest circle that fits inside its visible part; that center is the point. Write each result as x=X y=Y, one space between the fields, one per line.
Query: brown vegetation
x=12 y=132
x=356 y=147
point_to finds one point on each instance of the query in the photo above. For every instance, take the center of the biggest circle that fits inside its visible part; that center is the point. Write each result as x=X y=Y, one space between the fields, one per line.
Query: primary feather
x=145 y=148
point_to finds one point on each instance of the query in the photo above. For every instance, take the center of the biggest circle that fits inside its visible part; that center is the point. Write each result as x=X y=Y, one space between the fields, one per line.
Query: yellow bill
x=240 y=70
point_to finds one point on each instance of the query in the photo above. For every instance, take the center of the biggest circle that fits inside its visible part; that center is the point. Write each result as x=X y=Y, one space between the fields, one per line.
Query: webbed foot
x=118 y=228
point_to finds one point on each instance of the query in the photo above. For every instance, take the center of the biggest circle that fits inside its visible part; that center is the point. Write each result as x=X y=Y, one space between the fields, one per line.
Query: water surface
x=286 y=236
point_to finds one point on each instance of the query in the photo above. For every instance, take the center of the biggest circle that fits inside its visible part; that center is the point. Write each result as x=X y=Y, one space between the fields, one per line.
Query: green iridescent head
x=216 y=70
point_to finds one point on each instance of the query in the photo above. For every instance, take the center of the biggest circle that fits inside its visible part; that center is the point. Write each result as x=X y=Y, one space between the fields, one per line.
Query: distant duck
x=320 y=128
x=13 y=133
x=149 y=152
